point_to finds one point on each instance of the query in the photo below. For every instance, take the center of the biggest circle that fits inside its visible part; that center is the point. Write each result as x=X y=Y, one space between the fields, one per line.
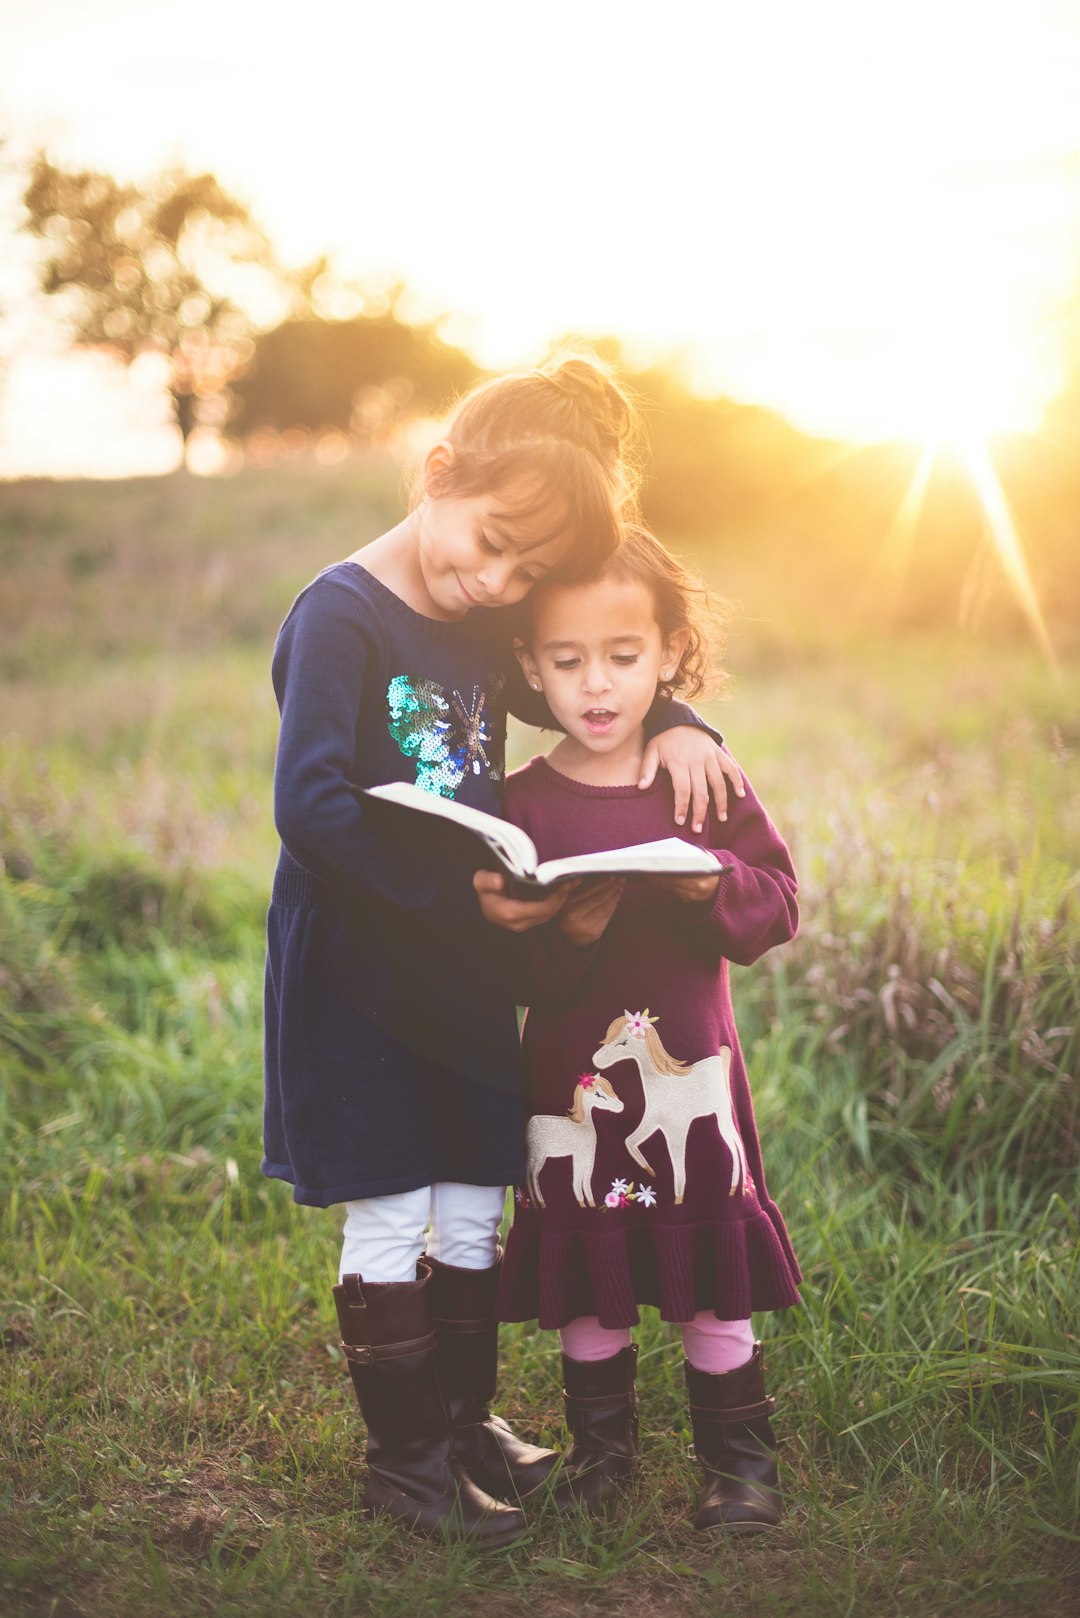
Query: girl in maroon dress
x=644 y=1176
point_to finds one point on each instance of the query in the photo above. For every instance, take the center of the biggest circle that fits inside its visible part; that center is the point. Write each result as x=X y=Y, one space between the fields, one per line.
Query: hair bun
x=589 y=386
x=567 y=426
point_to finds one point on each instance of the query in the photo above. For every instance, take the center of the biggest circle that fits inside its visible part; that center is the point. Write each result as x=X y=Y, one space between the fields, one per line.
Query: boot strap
x=734 y=1413
x=604 y=1401
x=368 y=1353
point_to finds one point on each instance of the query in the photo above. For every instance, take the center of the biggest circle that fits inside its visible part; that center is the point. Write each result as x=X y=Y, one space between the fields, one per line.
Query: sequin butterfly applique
x=448 y=735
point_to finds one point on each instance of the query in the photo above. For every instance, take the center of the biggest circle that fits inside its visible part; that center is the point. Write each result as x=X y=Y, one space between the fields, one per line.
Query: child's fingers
x=649 y=766
x=722 y=775
x=598 y=898
x=516 y=915
x=700 y=786
x=718 y=785
x=488 y=882
x=730 y=768
x=586 y=916
x=692 y=889
x=697 y=889
x=533 y=912
x=597 y=887
x=681 y=786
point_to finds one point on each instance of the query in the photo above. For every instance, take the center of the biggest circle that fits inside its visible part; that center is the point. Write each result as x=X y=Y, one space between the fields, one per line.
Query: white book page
x=669 y=855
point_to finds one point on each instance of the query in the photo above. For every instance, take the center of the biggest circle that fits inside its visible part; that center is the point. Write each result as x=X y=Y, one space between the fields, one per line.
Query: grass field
x=178 y=1435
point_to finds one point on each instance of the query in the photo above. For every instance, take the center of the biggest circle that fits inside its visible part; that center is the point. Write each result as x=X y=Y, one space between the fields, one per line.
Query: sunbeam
x=896 y=548
x=976 y=460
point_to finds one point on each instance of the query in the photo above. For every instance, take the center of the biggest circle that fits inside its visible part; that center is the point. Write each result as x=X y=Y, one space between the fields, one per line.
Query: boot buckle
x=358 y=1353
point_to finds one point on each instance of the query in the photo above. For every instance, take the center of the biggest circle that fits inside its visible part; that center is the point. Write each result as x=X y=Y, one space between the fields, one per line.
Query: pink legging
x=709 y=1344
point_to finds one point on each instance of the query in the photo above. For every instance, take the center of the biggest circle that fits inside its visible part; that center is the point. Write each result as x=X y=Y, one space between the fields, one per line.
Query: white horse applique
x=573 y=1136
x=675 y=1094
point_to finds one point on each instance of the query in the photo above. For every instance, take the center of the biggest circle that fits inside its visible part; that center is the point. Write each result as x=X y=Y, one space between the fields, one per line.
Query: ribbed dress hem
x=357 y=1190
x=732 y=1268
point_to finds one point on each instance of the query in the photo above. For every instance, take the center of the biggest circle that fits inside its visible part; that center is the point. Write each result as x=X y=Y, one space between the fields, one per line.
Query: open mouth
x=599 y=719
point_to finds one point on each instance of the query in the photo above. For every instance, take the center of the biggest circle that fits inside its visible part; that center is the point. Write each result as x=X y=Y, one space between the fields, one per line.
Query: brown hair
x=681 y=600
x=563 y=437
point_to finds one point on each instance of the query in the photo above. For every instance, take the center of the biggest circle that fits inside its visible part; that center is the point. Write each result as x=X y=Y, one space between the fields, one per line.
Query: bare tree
x=172 y=267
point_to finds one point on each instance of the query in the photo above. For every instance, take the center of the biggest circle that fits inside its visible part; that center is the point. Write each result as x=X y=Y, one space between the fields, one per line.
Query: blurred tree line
x=180 y=268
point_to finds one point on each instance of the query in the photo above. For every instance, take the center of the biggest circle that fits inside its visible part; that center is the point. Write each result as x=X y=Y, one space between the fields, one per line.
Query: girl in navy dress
x=393 y=1070
x=644 y=1181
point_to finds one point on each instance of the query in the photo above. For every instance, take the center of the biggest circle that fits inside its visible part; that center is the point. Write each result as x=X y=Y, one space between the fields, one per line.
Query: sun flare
x=976 y=458
x=973 y=455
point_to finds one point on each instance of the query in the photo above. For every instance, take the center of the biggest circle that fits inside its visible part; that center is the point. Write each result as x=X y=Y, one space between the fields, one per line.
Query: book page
x=670 y=856
x=513 y=847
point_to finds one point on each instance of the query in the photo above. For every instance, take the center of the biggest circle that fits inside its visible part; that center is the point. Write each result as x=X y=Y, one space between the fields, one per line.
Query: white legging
x=459 y=1224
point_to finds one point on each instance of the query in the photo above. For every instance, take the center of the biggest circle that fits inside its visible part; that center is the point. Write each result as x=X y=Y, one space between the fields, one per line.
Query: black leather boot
x=388 y=1338
x=734 y=1442
x=463 y=1310
x=601 y=1413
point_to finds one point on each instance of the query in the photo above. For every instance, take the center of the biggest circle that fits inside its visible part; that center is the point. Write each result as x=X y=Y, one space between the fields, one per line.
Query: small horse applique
x=572 y=1135
x=675 y=1094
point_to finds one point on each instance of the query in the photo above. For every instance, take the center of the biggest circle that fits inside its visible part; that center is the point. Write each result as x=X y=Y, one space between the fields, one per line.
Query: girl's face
x=473 y=552
x=597 y=653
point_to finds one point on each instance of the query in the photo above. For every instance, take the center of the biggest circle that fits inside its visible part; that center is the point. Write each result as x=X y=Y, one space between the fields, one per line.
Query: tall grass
x=176 y=1428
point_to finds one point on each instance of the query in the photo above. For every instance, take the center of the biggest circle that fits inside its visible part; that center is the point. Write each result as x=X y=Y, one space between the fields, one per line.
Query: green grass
x=177 y=1432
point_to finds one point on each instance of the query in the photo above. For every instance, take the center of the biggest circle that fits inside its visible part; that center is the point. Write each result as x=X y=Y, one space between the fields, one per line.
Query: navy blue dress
x=391 y=1048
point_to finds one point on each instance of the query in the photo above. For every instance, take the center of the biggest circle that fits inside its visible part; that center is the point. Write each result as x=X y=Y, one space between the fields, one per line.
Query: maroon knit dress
x=645 y=1182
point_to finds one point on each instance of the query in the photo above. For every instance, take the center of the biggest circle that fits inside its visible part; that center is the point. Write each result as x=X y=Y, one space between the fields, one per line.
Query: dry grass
x=175 y=1428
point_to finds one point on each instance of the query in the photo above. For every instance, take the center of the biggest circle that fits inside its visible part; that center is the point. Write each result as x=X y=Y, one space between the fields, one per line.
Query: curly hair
x=682 y=601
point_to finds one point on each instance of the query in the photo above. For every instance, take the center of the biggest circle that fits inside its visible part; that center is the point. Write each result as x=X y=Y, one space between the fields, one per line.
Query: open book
x=515 y=850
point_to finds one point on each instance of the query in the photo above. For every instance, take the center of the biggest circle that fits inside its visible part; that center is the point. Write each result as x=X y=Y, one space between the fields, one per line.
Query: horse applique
x=572 y=1135
x=675 y=1094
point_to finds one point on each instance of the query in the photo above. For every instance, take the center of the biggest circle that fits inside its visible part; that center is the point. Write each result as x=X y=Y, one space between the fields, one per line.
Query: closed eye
x=525 y=573
x=625 y=659
x=567 y=662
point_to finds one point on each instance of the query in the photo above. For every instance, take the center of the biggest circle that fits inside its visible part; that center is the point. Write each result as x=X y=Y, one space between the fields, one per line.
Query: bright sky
x=866 y=216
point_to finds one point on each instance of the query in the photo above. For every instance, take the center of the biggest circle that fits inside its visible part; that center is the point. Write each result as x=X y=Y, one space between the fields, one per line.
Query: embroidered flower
x=637 y=1022
x=587 y=1080
x=622 y=1194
